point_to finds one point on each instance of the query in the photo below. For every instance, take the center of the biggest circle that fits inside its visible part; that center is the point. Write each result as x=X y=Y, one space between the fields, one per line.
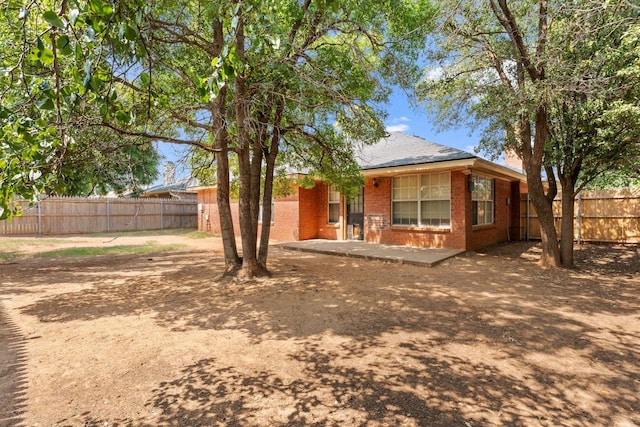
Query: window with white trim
x=261 y=211
x=482 y=200
x=422 y=200
x=334 y=205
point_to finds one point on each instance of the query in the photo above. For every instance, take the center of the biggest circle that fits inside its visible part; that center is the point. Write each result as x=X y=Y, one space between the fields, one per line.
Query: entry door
x=355 y=217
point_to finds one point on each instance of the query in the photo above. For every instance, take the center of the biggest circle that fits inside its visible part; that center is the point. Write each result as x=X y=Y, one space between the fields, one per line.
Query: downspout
x=343 y=211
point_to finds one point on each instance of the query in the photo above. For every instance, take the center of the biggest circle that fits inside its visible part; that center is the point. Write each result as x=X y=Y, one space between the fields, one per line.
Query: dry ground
x=157 y=339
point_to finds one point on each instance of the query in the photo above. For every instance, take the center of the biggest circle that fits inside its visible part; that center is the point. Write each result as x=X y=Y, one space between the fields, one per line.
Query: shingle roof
x=399 y=149
x=180 y=185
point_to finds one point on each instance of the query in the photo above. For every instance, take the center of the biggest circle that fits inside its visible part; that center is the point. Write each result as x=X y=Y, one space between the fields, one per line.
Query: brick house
x=416 y=193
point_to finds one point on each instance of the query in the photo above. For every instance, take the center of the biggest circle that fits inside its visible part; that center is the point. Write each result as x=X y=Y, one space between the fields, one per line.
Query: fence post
x=161 y=215
x=108 y=216
x=579 y=219
x=528 y=223
x=39 y=218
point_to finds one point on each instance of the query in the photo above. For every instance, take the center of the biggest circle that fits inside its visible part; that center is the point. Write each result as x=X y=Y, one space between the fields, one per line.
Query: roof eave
x=501 y=171
x=423 y=167
x=471 y=163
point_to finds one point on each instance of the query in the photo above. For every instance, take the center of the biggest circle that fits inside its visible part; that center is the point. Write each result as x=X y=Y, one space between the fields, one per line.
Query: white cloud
x=398 y=124
x=397 y=128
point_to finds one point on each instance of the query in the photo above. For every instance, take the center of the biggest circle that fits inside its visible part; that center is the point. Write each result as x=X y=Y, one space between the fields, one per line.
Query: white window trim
x=419 y=201
x=273 y=212
x=492 y=200
x=331 y=189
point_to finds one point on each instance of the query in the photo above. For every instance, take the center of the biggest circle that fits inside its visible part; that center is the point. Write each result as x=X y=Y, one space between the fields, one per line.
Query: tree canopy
x=250 y=80
x=554 y=81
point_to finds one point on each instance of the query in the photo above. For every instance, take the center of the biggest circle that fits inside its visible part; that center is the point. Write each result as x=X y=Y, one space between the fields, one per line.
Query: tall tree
x=595 y=110
x=243 y=79
x=501 y=65
x=102 y=161
x=490 y=70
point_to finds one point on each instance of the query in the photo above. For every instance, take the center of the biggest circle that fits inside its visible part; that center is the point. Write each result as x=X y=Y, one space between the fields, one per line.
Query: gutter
x=475 y=163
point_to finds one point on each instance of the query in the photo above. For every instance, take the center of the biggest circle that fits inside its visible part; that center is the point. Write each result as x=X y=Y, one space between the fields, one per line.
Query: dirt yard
x=147 y=339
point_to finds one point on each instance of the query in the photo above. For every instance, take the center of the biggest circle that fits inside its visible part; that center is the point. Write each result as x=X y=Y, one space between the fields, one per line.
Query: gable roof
x=180 y=186
x=399 y=149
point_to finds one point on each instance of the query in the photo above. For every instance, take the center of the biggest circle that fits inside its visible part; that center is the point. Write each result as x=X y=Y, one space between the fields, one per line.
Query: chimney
x=169 y=173
x=512 y=160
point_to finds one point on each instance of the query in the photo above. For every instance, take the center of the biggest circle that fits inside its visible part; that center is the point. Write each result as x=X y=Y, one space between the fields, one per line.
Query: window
x=482 y=200
x=423 y=200
x=261 y=211
x=334 y=205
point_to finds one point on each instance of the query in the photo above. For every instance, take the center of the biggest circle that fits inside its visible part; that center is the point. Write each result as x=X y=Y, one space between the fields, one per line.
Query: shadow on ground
x=484 y=342
x=13 y=379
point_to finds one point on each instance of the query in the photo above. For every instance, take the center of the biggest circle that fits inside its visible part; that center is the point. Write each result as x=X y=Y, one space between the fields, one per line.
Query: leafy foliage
x=245 y=80
x=54 y=59
x=101 y=160
x=554 y=81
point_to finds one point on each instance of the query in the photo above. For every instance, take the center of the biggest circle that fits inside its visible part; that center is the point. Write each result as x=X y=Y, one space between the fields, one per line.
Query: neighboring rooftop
x=399 y=149
x=178 y=189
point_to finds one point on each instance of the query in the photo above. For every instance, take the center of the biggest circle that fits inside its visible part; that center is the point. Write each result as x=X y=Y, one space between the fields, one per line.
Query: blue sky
x=401 y=117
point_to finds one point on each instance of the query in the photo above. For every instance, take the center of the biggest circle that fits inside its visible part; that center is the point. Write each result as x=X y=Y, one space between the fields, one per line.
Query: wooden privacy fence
x=74 y=215
x=600 y=216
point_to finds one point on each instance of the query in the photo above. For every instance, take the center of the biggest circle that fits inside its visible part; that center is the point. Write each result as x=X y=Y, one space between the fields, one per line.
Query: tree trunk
x=544 y=209
x=271 y=157
x=266 y=206
x=532 y=156
x=232 y=261
x=249 y=195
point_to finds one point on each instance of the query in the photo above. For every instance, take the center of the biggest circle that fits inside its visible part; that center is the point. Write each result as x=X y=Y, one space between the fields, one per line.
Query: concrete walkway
x=402 y=254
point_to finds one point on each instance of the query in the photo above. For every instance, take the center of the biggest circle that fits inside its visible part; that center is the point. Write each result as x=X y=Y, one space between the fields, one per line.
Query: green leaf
x=101 y=8
x=123 y=116
x=131 y=33
x=64 y=45
x=46 y=56
x=87 y=75
x=52 y=19
x=90 y=35
x=145 y=79
x=45 y=104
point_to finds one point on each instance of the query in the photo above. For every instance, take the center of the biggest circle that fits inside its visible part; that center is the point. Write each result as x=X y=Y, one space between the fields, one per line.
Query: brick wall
x=309 y=206
x=286 y=216
x=379 y=229
x=485 y=235
x=304 y=216
x=326 y=230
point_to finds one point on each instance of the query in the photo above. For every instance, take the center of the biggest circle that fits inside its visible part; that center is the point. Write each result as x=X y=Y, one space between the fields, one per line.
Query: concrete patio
x=427 y=257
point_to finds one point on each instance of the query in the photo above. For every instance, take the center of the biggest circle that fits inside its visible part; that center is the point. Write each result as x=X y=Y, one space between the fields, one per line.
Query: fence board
x=71 y=215
x=600 y=216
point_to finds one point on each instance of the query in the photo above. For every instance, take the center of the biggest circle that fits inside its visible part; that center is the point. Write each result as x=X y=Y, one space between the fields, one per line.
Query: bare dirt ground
x=157 y=339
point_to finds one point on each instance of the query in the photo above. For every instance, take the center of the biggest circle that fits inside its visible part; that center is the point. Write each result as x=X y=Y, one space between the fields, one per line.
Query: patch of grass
x=9 y=256
x=149 y=247
x=144 y=233
x=199 y=235
x=10 y=245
